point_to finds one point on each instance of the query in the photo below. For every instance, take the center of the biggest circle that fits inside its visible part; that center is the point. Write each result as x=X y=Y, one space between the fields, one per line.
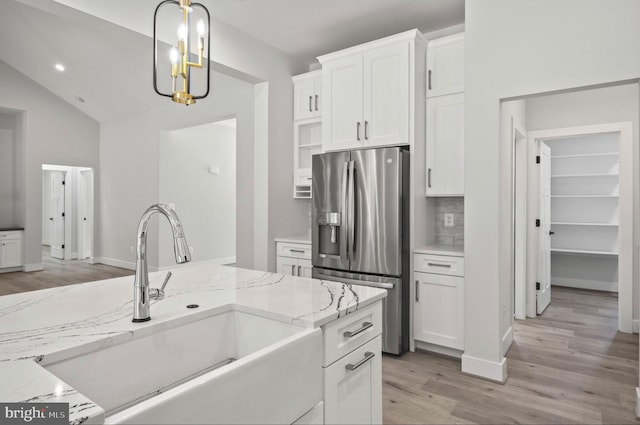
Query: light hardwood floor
x=57 y=273
x=569 y=365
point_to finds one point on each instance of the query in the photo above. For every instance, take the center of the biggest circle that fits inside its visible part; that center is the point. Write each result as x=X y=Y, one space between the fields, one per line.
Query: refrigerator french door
x=360 y=228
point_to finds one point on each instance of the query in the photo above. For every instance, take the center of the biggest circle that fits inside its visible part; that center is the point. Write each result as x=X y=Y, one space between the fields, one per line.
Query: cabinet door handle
x=358 y=130
x=417 y=290
x=367 y=356
x=447 y=266
x=316 y=102
x=299 y=267
x=293 y=270
x=299 y=251
x=351 y=334
x=366 y=130
x=429 y=79
x=310 y=98
x=429 y=177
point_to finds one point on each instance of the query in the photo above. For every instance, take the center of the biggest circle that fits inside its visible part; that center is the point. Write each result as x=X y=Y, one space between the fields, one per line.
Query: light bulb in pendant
x=182 y=32
x=173 y=56
x=201 y=28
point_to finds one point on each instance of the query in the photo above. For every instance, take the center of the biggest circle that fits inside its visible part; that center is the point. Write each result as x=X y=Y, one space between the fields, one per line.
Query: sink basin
x=229 y=367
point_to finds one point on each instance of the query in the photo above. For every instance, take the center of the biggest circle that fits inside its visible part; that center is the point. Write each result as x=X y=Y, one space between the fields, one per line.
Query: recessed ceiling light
x=60 y=67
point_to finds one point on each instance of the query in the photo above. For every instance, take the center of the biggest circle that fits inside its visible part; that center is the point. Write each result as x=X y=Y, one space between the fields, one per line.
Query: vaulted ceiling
x=101 y=56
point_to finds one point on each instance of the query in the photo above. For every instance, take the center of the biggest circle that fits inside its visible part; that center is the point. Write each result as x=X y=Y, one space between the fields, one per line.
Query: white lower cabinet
x=353 y=386
x=439 y=300
x=10 y=249
x=353 y=382
x=294 y=259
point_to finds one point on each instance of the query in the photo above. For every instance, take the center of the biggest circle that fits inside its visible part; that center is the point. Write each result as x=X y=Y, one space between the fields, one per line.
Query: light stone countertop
x=46 y=326
x=450 y=250
x=295 y=239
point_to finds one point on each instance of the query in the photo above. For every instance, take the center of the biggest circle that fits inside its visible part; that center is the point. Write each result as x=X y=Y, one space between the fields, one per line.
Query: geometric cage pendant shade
x=172 y=70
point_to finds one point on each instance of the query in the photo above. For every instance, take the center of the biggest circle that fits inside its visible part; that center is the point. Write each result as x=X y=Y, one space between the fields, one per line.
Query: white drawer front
x=350 y=332
x=295 y=250
x=439 y=264
x=11 y=234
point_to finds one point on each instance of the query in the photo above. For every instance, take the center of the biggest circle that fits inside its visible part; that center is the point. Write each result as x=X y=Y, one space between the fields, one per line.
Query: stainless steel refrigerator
x=360 y=229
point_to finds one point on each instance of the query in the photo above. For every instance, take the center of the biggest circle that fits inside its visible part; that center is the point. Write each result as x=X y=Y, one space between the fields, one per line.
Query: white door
x=57 y=213
x=543 y=294
x=304 y=268
x=342 y=123
x=445 y=145
x=386 y=96
x=85 y=217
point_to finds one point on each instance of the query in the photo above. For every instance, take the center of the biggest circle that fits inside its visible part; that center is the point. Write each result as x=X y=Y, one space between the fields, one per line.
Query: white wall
x=7 y=169
x=50 y=131
x=130 y=172
x=516 y=48
x=204 y=201
x=274 y=212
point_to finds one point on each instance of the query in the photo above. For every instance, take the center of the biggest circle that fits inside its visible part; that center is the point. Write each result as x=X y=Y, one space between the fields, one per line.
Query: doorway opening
x=584 y=237
x=198 y=178
x=67 y=212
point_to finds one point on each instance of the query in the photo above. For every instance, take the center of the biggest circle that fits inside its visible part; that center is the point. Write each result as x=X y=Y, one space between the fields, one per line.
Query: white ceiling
x=35 y=34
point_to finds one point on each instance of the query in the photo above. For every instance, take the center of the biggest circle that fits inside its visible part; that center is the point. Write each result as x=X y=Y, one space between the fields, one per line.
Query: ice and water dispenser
x=329 y=233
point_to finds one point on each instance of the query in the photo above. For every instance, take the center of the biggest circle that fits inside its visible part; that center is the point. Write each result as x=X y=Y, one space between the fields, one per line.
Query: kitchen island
x=50 y=326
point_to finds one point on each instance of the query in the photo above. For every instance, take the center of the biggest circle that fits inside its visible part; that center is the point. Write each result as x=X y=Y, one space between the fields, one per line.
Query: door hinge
x=62 y=214
x=62 y=246
x=537 y=222
x=537 y=286
x=537 y=159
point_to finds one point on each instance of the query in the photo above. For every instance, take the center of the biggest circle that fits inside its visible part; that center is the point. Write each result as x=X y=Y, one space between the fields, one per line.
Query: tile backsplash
x=450 y=235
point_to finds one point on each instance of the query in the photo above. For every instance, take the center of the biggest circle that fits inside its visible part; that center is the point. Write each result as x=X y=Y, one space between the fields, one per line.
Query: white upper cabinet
x=445 y=65
x=445 y=145
x=367 y=92
x=342 y=93
x=307 y=90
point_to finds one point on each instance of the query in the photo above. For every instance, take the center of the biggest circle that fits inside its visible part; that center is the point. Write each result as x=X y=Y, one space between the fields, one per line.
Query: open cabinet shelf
x=585 y=211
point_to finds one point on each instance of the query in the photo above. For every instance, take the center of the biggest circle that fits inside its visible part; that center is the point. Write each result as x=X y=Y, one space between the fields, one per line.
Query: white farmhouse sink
x=231 y=367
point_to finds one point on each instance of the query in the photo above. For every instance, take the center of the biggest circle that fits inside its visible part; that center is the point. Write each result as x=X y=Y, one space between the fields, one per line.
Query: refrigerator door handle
x=345 y=213
x=352 y=213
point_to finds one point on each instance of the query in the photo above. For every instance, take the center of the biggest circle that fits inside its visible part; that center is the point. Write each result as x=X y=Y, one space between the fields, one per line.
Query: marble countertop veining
x=42 y=327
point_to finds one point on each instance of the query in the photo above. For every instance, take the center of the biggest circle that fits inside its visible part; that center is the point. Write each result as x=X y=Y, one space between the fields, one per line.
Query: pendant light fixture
x=177 y=62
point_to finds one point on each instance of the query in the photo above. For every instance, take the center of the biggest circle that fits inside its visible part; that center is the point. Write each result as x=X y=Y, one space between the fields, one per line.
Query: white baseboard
x=507 y=340
x=493 y=371
x=637 y=403
x=636 y=326
x=37 y=267
x=12 y=269
x=439 y=349
x=115 y=263
x=585 y=284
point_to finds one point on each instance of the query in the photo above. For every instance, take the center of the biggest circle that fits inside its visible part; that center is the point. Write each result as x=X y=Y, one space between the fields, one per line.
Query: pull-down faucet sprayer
x=141 y=310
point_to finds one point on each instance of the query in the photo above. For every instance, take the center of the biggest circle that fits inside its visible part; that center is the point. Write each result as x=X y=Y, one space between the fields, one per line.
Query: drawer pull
x=299 y=251
x=365 y=326
x=448 y=266
x=367 y=356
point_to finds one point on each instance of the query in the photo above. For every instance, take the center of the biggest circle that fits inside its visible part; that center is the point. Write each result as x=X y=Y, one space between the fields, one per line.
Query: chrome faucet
x=141 y=298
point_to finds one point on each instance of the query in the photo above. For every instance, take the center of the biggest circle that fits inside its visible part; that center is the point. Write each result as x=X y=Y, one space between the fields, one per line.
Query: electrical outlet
x=448 y=220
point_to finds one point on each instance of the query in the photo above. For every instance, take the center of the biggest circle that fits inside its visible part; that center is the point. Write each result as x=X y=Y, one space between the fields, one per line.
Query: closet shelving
x=584 y=206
